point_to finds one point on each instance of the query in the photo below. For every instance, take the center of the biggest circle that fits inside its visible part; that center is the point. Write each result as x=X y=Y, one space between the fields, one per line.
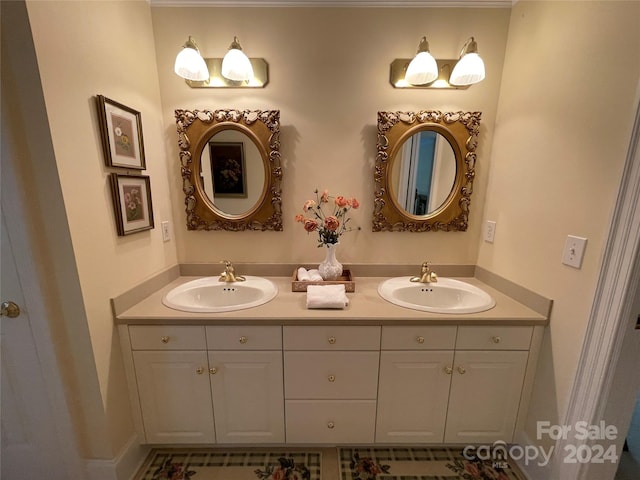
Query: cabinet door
x=412 y=396
x=175 y=396
x=485 y=396
x=248 y=399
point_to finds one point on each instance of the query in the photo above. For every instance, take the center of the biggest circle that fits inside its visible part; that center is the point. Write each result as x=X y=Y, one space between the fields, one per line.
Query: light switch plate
x=489 y=231
x=165 y=231
x=574 y=251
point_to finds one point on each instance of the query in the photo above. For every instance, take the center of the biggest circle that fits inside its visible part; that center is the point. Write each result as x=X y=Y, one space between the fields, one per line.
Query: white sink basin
x=209 y=295
x=445 y=296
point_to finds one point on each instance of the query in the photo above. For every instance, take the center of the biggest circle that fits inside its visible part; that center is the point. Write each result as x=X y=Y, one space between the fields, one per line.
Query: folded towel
x=314 y=275
x=326 y=296
x=303 y=275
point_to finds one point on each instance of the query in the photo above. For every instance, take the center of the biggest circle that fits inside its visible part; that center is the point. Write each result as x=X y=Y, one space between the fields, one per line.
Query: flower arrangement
x=329 y=227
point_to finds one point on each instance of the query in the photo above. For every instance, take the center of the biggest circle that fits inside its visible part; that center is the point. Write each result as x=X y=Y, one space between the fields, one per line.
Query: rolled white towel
x=314 y=275
x=303 y=275
x=326 y=296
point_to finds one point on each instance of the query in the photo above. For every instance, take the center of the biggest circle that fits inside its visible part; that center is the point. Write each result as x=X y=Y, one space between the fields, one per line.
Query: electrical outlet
x=165 y=231
x=489 y=231
x=574 y=251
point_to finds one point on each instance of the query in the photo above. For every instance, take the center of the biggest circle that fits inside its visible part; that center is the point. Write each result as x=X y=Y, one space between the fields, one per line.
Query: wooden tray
x=345 y=279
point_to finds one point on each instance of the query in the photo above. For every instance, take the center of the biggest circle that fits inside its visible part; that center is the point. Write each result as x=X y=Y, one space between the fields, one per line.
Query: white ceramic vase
x=330 y=268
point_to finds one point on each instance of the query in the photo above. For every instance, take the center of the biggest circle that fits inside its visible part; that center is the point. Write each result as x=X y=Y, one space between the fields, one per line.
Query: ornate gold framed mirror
x=424 y=171
x=231 y=171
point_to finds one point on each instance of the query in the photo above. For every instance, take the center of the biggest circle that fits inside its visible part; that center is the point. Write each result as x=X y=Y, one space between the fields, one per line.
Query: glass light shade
x=236 y=66
x=422 y=69
x=190 y=65
x=468 y=70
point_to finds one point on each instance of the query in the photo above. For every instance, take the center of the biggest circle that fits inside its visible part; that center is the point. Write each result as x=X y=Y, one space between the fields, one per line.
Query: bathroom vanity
x=373 y=373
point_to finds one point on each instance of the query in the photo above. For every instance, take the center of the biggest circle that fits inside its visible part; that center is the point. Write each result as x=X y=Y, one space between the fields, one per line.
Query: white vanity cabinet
x=211 y=384
x=330 y=380
x=451 y=384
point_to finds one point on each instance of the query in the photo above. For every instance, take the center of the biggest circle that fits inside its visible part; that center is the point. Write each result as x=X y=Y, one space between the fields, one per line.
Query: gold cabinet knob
x=243 y=340
x=213 y=370
x=331 y=425
x=448 y=370
x=496 y=339
x=199 y=370
x=332 y=340
x=164 y=339
x=332 y=378
x=420 y=339
x=9 y=309
x=461 y=370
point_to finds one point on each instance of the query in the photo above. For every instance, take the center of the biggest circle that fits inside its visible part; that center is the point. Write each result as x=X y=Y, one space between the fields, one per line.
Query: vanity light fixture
x=235 y=70
x=449 y=74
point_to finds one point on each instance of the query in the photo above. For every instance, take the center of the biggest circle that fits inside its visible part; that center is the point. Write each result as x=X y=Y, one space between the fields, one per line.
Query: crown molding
x=335 y=3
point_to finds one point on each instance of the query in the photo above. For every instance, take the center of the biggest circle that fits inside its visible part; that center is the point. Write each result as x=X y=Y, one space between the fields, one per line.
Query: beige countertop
x=366 y=307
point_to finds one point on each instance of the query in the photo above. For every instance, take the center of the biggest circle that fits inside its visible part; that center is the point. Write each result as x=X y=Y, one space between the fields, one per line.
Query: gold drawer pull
x=331 y=425
x=199 y=370
x=461 y=370
x=332 y=340
x=420 y=339
x=496 y=339
x=332 y=378
x=164 y=339
x=213 y=370
x=448 y=370
x=243 y=340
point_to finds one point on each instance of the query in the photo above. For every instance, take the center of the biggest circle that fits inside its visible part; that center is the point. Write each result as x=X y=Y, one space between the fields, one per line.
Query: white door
x=485 y=396
x=28 y=428
x=174 y=396
x=248 y=396
x=412 y=396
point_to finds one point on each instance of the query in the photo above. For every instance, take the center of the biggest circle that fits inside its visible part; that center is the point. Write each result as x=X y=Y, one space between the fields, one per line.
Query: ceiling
x=332 y=3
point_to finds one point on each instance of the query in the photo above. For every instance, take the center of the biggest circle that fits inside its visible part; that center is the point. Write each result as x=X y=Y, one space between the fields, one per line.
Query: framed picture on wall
x=132 y=203
x=228 y=169
x=121 y=130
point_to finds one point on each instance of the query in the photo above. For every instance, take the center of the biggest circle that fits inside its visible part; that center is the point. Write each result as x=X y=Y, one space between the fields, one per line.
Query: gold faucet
x=229 y=274
x=426 y=275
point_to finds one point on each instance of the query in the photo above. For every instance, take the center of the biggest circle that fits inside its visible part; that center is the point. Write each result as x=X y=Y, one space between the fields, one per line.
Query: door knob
x=9 y=309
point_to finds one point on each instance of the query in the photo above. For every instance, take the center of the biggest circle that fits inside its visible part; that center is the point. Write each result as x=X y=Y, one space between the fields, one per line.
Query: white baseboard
x=532 y=470
x=122 y=467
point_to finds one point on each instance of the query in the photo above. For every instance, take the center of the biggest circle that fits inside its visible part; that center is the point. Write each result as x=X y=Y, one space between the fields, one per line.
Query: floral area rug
x=418 y=464
x=212 y=464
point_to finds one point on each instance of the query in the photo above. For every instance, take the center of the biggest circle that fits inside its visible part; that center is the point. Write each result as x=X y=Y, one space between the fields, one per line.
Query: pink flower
x=355 y=203
x=299 y=218
x=310 y=225
x=341 y=201
x=308 y=205
x=331 y=223
x=324 y=198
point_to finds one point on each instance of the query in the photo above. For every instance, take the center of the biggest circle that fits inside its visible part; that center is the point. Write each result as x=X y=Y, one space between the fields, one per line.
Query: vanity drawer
x=244 y=337
x=324 y=375
x=167 y=337
x=419 y=338
x=330 y=421
x=331 y=338
x=494 y=338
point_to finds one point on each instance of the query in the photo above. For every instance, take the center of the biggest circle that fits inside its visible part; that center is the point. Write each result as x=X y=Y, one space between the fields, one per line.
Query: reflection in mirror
x=230 y=166
x=425 y=166
x=232 y=172
x=425 y=172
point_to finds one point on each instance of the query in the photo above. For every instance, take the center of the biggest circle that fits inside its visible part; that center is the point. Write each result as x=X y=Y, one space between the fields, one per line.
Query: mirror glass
x=424 y=170
x=232 y=172
x=424 y=173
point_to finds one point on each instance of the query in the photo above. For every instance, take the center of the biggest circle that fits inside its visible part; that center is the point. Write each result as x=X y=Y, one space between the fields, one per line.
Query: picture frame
x=121 y=131
x=228 y=169
x=132 y=203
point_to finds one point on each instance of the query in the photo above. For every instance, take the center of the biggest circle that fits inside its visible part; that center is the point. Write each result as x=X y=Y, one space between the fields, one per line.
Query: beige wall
x=329 y=76
x=561 y=137
x=84 y=49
